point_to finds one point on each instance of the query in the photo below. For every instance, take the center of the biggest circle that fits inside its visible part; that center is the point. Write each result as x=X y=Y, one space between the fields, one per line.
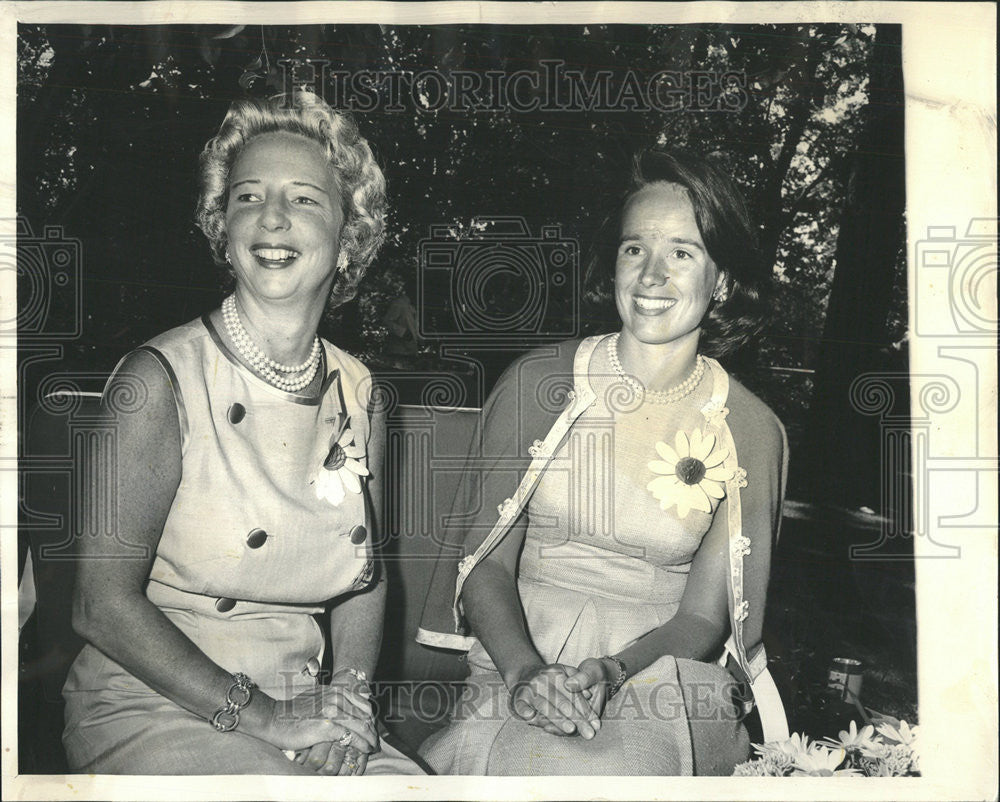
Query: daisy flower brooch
x=341 y=469
x=691 y=475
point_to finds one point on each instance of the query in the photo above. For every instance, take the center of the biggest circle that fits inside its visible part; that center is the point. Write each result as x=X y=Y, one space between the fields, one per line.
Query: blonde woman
x=249 y=471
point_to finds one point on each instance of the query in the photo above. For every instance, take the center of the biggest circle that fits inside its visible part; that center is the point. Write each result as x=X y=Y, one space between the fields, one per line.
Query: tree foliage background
x=111 y=120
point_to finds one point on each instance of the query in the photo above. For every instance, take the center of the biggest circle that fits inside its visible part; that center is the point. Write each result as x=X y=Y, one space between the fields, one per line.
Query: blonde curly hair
x=359 y=177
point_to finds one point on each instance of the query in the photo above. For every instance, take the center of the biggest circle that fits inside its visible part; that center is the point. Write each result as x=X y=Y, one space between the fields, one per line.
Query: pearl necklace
x=675 y=393
x=261 y=362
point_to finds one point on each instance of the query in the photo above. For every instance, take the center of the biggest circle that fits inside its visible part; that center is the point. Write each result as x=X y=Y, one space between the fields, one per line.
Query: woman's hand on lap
x=353 y=763
x=593 y=680
x=325 y=758
x=331 y=759
x=542 y=698
x=350 y=696
x=345 y=695
x=321 y=715
x=354 y=695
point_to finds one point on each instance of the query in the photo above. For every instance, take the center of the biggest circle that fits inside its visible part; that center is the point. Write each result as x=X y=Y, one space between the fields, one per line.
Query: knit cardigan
x=527 y=416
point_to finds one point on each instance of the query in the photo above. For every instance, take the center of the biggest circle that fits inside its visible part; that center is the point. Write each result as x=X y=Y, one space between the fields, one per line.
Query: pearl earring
x=721 y=294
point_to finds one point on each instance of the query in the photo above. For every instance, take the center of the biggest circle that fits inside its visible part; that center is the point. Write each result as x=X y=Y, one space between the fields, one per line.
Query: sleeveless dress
x=603 y=563
x=248 y=557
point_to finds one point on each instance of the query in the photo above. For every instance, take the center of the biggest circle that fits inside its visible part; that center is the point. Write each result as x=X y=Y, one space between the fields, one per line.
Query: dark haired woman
x=247 y=473
x=636 y=518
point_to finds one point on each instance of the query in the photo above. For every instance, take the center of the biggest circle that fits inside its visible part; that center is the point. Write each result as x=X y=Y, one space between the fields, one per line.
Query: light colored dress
x=248 y=557
x=602 y=565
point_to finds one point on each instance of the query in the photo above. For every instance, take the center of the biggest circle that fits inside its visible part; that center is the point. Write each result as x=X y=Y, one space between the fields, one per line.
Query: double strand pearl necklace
x=675 y=393
x=269 y=369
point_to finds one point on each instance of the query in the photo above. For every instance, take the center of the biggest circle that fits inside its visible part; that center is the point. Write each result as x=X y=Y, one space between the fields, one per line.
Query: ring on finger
x=345 y=739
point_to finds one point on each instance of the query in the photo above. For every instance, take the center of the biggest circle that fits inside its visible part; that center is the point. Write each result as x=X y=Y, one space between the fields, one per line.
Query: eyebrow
x=307 y=184
x=678 y=240
x=294 y=183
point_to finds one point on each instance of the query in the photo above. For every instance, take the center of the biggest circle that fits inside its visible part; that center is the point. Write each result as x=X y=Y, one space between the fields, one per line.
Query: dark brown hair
x=728 y=234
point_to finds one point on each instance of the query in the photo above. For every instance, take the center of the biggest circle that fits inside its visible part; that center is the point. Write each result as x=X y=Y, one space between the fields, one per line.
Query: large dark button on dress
x=256 y=538
x=237 y=412
x=225 y=604
x=358 y=534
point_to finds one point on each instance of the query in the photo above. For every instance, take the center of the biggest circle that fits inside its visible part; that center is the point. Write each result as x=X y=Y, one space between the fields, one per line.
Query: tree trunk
x=842 y=454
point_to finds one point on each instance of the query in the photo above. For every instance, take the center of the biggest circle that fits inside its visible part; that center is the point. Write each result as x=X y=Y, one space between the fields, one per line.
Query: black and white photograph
x=499 y=400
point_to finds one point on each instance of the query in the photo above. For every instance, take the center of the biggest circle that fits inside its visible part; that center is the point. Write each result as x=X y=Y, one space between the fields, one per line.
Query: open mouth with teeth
x=652 y=304
x=274 y=256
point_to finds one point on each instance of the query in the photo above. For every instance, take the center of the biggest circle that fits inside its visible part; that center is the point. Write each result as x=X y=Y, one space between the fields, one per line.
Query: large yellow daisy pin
x=691 y=475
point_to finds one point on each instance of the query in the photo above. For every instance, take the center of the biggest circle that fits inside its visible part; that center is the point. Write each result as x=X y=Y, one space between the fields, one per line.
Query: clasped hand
x=561 y=699
x=316 y=724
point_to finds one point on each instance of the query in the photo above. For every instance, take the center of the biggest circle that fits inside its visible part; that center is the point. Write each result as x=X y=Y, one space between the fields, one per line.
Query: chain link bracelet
x=618 y=681
x=238 y=696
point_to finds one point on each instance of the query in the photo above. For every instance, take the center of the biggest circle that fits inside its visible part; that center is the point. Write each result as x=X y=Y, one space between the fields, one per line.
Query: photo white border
x=949 y=65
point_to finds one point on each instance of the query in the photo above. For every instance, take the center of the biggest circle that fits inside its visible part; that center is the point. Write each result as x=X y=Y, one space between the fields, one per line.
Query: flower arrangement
x=884 y=749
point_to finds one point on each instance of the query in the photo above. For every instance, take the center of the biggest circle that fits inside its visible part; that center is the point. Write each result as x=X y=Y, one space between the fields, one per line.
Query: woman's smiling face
x=664 y=277
x=284 y=218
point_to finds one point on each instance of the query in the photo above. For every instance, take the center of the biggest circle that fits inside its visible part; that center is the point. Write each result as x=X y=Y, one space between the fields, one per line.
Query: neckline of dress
x=295 y=398
x=587 y=348
x=692 y=405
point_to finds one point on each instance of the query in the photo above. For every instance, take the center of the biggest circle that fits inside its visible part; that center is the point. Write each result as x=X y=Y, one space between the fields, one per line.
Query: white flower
x=741 y=546
x=793 y=746
x=856 y=753
x=537 y=449
x=852 y=738
x=340 y=470
x=773 y=765
x=821 y=761
x=715 y=413
x=752 y=768
x=691 y=475
x=902 y=760
x=903 y=734
x=506 y=507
